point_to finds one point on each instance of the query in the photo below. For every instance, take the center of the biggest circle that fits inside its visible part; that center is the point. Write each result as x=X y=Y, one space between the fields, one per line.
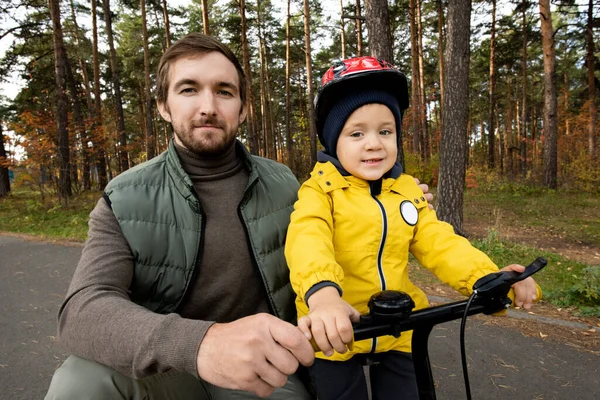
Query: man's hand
x=425 y=189
x=329 y=321
x=255 y=354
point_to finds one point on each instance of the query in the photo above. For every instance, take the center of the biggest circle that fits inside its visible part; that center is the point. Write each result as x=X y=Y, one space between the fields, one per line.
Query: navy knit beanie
x=341 y=111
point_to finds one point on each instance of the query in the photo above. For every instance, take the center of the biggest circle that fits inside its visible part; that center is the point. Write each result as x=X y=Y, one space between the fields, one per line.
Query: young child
x=355 y=221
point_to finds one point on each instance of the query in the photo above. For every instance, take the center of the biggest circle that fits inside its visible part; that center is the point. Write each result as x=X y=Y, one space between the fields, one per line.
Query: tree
x=455 y=115
x=309 y=85
x=378 y=28
x=590 y=63
x=62 y=139
x=492 y=92
x=550 y=101
x=150 y=145
x=4 y=181
x=250 y=120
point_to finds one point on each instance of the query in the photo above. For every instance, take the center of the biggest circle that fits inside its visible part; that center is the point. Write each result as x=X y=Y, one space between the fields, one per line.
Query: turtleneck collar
x=209 y=167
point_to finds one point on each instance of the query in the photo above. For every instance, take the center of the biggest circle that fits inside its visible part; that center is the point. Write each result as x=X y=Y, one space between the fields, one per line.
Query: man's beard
x=211 y=144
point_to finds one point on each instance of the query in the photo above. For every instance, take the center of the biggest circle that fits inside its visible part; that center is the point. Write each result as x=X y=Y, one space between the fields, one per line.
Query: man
x=182 y=290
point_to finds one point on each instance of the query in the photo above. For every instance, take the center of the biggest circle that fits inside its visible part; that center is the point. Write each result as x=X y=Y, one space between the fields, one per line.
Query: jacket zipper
x=384 y=229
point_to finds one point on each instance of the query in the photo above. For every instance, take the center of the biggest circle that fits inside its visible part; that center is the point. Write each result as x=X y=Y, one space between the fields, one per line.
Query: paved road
x=504 y=364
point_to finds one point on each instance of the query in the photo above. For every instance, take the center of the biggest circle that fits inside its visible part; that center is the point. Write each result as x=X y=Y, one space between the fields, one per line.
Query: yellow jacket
x=340 y=233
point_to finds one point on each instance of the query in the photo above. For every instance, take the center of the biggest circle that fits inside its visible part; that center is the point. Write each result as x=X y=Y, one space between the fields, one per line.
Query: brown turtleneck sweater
x=98 y=321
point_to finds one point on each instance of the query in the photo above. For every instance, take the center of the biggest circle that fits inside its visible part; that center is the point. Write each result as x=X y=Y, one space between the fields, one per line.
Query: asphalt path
x=503 y=363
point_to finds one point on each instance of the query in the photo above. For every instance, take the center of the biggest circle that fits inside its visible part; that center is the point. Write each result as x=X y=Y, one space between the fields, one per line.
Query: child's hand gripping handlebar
x=390 y=311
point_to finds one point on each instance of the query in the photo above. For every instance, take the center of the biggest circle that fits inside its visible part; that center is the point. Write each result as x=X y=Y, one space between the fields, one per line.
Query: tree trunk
x=590 y=61
x=288 y=108
x=422 y=99
x=150 y=145
x=550 y=101
x=83 y=134
x=524 y=116
x=60 y=69
x=167 y=23
x=98 y=140
x=455 y=115
x=440 y=48
x=359 y=41
x=378 y=27
x=205 y=21
x=116 y=80
x=509 y=128
x=492 y=92
x=4 y=178
x=342 y=30
x=250 y=120
x=415 y=81
x=309 y=86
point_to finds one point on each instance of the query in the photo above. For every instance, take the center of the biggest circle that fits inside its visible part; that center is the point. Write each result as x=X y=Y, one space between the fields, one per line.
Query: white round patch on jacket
x=409 y=212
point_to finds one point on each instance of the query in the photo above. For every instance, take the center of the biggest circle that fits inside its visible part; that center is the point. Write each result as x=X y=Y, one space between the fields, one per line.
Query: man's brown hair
x=189 y=46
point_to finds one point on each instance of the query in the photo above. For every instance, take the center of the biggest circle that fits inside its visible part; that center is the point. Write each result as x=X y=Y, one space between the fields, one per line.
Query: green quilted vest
x=162 y=220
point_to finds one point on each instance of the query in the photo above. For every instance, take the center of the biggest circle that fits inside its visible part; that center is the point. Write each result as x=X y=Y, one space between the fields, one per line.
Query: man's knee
x=78 y=378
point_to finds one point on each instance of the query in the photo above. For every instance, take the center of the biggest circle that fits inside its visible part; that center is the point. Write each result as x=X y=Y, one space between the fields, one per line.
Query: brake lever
x=499 y=283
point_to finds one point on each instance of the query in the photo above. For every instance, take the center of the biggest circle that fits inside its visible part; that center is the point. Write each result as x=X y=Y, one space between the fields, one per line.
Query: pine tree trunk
x=309 y=86
x=359 y=40
x=98 y=141
x=116 y=80
x=205 y=21
x=415 y=81
x=83 y=133
x=60 y=69
x=422 y=99
x=590 y=61
x=550 y=100
x=440 y=48
x=342 y=30
x=455 y=115
x=378 y=27
x=288 y=108
x=167 y=23
x=250 y=120
x=524 y=116
x=150 y=145
x=492 y=92
x=4 y=179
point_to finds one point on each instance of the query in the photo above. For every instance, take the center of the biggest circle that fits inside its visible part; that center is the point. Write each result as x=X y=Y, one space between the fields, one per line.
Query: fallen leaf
x=543 y=336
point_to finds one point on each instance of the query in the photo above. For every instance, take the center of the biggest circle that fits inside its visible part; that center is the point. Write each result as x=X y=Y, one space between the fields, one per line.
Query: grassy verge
x=24 y=212
x=571 y=215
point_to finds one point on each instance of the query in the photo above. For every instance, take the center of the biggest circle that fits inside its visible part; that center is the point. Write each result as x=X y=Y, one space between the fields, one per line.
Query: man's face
x=203 y=103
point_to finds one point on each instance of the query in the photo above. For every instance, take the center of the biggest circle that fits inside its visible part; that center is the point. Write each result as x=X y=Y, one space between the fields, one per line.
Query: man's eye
x=187 y=90
x=225 y=93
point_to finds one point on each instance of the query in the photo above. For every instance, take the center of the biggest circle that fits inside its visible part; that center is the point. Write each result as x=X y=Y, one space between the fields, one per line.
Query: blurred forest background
x=500 y=90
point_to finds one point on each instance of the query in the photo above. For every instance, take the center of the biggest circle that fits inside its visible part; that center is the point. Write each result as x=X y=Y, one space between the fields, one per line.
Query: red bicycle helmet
x=353 y=74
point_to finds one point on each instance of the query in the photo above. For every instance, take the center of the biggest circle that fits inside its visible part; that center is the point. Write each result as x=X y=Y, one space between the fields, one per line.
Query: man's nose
x=207 y=103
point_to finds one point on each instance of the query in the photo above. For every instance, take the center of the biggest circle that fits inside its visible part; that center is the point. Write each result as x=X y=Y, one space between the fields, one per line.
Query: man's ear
x=164 y=111
x=243 y=114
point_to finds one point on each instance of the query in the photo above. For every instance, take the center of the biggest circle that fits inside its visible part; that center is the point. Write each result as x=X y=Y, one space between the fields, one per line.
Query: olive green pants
x=81 y=379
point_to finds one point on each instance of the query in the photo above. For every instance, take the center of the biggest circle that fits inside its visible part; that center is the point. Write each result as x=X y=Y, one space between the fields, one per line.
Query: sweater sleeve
x=99 y=322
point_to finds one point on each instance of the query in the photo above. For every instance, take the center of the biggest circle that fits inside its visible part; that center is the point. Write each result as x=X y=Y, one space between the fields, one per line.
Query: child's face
x=367 y=146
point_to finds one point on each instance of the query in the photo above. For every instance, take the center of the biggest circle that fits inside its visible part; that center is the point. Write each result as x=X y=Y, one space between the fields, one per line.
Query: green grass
x=24 y=212
x=571 y=215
